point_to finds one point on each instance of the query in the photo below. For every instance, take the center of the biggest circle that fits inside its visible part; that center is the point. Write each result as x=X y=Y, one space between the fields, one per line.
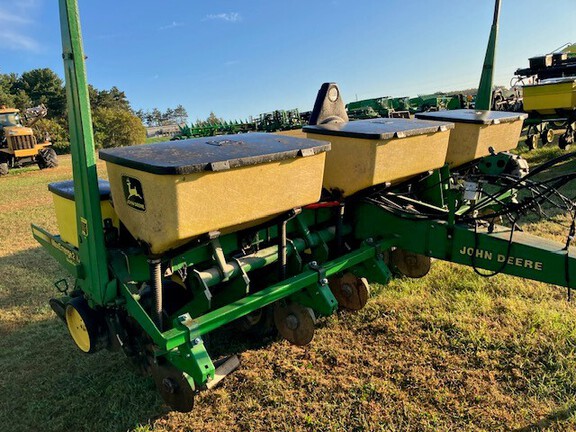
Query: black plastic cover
x=329 y=107
x=473 y=116
x=213 y=153
x=379 y=129
x=65 y=189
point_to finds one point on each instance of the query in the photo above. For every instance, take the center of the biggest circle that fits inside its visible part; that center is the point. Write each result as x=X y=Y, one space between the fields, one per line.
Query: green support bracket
x=193 y=359
x=318 y=296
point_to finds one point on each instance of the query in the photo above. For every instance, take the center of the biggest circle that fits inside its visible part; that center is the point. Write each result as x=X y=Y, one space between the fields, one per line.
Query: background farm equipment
x=18 y=144
x=549 y=89
x=275 y=121
x=379 y=107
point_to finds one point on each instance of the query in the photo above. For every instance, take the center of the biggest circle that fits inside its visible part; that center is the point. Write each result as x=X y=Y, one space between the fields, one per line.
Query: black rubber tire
x=3 y=168
x=563 y=142
x=547 y=136
x=532 y=142
x=47 y=158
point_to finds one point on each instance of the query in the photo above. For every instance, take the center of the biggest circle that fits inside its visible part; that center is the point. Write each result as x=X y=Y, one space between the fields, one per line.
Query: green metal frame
x=95 y=280
x=484 y=96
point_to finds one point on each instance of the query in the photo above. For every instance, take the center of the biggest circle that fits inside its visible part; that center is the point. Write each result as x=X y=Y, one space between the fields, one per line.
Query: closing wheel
x=295 y=323
x=410 y=264
x=547 y=136
x=84 y=325
x=350 y=291
x=176 y=387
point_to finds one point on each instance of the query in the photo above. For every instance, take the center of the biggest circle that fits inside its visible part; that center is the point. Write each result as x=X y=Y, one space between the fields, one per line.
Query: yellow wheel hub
x=77 y=328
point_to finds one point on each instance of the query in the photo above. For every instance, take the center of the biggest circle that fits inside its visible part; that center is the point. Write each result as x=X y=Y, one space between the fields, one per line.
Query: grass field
x=449 y=352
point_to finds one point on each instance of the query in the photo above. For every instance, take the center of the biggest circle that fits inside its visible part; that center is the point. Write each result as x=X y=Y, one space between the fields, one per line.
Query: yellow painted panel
x=469 y=141
x=180 y=207
x=354 y=164
x=26 y=152
x=547 y=98
x=66 y=217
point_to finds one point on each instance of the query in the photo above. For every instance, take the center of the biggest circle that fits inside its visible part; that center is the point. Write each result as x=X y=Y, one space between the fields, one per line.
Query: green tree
x=114 y=127
x=113 y=98
x=214 y=120
x=6 y=89
x=54 y=130
x=180 y=114
x=43 y=86
x=156 y=117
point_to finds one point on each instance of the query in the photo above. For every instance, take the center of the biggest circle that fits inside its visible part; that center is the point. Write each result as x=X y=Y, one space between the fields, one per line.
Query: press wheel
x=176 y=387
x=350 y=291
x=295 y=323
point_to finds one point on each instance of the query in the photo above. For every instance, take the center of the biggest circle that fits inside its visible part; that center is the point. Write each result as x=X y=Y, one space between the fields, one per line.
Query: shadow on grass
x=47 y=383
x=550 y=420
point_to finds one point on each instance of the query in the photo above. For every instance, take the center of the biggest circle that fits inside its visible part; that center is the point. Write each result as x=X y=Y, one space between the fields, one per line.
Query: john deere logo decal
x=133 y=193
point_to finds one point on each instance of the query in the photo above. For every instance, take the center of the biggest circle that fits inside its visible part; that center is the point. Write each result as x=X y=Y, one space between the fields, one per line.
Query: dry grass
x=449 y=352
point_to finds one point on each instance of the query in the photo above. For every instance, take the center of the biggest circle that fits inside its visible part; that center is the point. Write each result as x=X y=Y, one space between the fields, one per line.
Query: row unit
x=167 y=193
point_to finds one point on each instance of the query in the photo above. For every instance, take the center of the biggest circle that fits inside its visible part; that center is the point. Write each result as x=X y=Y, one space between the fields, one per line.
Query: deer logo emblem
x=133 y=193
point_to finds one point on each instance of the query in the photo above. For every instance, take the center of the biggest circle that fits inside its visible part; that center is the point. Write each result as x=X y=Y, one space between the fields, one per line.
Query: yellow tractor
x=18 y=145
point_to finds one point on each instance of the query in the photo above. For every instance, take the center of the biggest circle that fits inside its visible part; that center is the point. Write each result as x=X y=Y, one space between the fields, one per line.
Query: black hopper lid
x=213 y=153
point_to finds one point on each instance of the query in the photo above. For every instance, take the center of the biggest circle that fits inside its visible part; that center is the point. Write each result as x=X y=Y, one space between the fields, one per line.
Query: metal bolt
x=323 y=281
x=196 y=341
x=313 y=264
x=369 y=240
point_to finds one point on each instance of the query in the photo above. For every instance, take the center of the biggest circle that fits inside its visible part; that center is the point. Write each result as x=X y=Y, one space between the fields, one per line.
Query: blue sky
x=241 y=58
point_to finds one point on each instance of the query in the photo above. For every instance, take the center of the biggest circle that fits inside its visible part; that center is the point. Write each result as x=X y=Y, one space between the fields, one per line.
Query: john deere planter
x=253 y=230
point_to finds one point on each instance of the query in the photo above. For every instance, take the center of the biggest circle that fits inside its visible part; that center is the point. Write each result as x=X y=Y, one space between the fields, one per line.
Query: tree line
x=155 y=117
x=115 y=123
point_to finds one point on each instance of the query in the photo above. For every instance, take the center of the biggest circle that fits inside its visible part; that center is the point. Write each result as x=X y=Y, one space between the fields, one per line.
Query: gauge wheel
x=84 y=325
